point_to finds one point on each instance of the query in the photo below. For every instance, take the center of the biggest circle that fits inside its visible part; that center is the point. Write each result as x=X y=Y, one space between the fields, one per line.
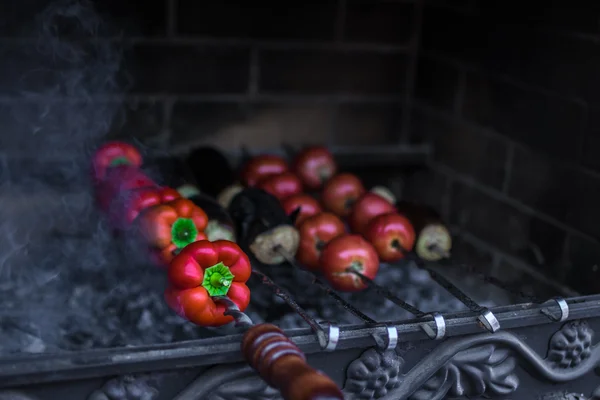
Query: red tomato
x=346 y=253
x=315 y=233
x=259 y=167
x=314 y=166
x=308 y=205
x=282 y=185
x=369 y=206
x=392 y=235
x=341 y=192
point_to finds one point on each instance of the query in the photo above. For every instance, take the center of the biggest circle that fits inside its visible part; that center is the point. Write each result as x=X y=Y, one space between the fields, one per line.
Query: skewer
x=279 y=362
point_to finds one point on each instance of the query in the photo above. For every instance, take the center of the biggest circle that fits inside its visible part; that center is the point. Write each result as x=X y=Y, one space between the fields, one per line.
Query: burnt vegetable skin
x=176 y=174
x=263 y=227
x=434 y=241
x=220 y=224
x=211 y=170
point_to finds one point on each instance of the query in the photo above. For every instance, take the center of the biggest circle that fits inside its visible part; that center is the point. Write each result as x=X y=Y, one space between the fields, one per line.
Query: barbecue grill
x=423 y=330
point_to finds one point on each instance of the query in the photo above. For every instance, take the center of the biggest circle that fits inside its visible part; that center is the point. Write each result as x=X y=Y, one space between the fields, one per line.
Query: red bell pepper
x=119 y=180
x=112 y=154
x=171 y=226
x=202 y=271
x=126 y=208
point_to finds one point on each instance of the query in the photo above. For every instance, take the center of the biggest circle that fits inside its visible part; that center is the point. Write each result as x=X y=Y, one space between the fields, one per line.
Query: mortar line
x=171 y=15
x=508 y=167
x=411 y=72
x=340 y=21
x=279 y=45
x=499 y=196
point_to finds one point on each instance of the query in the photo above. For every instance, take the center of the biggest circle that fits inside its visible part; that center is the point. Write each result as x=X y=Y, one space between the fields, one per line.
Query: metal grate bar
x=383 y=291
x=452 y=289
x=287 y=297
x=316 y=280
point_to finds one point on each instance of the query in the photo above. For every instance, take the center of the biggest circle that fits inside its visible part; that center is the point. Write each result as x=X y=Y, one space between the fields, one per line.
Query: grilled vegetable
x=314 y=166
x=434 y=241
x=224 y=198
x=281 y=185
x=171 y=226
x=112 y=154
x=220 y=224
x=369 y=206
x=131 y=203
x=385 y=193
x=211 y=170
x=315 y=233
x=202 y=271
x=345 y=254
x=119 y=180
x=263 y=226
x=176 y=174
x=304 y=204
x=340 y=193
x=259 y=167
x=392 y=235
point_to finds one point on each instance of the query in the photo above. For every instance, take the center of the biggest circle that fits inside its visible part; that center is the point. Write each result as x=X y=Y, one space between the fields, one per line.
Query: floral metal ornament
x=373 y=374
x=571 y=345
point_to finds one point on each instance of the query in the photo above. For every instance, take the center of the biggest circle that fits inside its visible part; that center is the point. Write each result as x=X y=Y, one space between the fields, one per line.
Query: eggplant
x=433 y=241
x=220 y=224
x=263 y=227
x=211 y=170
x=175 y=173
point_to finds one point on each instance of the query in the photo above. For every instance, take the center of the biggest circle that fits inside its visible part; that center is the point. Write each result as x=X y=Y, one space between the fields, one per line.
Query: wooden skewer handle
x=281 y=364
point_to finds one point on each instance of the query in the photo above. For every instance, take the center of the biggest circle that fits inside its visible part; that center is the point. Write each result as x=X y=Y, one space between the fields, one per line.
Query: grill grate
x=432 y=323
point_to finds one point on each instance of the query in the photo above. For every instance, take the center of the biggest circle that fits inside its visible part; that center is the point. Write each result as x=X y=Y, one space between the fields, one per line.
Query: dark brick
x=379 y=21
x=565 y=193
x=207 y=122
x=367 y=124
x=311 y=72
x=505 y=227
x=506 y=45
x=140 y=120
x=259 y=19
x=427 y=187
x=188 y=69
x=436 y=83
x=585 y=196
x=465 y=149
x=115 y=17
x=584 y=260
x=541 y=184
x=546 y=123
x=574 y=16
x=591 y=145
x=258 y=126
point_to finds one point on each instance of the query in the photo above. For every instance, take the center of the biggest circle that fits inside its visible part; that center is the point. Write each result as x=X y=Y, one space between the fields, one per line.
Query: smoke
x=59 y=95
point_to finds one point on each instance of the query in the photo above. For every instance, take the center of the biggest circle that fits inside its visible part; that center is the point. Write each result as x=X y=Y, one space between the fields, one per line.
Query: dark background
x=508 y=93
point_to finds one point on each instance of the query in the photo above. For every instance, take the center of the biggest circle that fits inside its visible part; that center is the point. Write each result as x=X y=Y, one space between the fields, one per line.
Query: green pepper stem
x=183 y=232
x=119 y=161
x=217 y=280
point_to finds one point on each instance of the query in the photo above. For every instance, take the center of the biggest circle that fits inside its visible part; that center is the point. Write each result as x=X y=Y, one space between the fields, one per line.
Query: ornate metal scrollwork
x=125 y=387
x=226 y=382
x=473 y=366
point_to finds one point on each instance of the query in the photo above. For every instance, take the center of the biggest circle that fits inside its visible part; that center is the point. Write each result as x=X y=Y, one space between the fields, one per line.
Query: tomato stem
x=349 y=203
x=183 y=232
x=396 y=245
x=217 y=280
x=320 y=245
x=356 y=266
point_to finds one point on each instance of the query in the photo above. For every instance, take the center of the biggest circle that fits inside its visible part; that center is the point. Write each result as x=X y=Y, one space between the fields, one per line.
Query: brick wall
x=510 y=96
x=235 y=72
